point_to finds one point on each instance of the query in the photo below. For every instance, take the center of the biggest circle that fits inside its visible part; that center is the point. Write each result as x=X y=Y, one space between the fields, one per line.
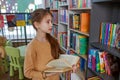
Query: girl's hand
x=74 y=67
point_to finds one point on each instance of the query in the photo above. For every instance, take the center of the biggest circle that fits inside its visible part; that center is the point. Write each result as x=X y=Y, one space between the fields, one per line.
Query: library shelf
x=85 y=34
x=81 y=55
x=104 y=47
x=106 y=0
x=63 y=5
x=80 y=9
x=63 y=48
x=63 y=23
x=102 y=75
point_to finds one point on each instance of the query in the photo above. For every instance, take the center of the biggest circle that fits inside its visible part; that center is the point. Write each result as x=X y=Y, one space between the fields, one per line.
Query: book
x=62 y=64
x=84 y=22
x=117 y=37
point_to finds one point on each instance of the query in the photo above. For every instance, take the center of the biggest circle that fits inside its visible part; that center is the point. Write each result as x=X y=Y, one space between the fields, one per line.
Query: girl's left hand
x=74 y=67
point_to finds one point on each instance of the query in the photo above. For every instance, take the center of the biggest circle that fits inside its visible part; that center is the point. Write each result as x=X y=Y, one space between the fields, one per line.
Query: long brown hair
x=37 y=16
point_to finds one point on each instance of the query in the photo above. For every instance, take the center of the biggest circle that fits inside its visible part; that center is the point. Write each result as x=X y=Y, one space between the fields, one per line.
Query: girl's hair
x=37 y=16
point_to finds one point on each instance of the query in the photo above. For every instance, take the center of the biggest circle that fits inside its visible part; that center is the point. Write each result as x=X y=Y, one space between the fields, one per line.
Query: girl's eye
x=49 y=21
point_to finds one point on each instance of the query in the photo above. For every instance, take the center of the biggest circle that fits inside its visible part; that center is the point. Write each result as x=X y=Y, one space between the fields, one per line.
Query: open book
x=63 y=64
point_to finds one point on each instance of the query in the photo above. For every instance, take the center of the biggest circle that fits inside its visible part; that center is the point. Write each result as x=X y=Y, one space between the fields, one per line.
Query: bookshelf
x=63 y=30
x=59 y=10
x=66 y=11
x=63 y=24
x=76 y=9
x=53 y=5
x=103 y=11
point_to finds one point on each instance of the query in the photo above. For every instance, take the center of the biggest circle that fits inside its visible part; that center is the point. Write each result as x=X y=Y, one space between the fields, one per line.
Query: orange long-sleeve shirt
x=37 y=55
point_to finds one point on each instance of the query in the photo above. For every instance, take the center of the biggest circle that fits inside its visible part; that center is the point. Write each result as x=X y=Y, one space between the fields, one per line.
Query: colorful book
x=117 y=37
x=113 y=36
x=103 y=32
x=102 y=64
x=85 y=22
x=106 y=34
x=110 y=35
x=107 y=65
x=97 y=61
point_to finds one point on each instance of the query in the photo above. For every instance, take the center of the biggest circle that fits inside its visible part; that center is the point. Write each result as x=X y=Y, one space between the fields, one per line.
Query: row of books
x=15 y=20
x=110 y=34
x=80 y=3
x=55 y=31
x=55 y=17
x=63 y=15
x=80 y=22
x=54 y=4
x=63 y=2
x=79 y=43
x=103 y=62
x=62 y=39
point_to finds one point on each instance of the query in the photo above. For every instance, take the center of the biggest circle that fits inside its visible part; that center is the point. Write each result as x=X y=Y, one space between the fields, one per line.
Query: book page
x=63 y=61
x=63 y=64
x=58 y=63
x=71 y=59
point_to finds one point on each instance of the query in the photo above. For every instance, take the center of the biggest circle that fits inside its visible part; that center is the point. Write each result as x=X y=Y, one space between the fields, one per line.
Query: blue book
x=107 y=33
x=82 y=64
x=103 y=32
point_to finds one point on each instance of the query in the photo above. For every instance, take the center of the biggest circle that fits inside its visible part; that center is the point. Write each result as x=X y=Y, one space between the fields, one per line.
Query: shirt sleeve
x=29 y=70
x=2 y=52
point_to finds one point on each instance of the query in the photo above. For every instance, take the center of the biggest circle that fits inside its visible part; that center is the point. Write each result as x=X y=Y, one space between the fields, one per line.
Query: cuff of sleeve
x=44 y=75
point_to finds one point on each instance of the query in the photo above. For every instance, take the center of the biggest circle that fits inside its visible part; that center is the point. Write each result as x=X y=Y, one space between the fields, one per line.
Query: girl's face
x=45 y=25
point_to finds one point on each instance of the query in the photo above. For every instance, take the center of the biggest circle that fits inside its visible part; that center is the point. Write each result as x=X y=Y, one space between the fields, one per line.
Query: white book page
x=71 y=59
x=58 y=63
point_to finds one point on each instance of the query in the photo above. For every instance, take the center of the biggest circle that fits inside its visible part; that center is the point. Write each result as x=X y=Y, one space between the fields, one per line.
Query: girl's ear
x=36 y=24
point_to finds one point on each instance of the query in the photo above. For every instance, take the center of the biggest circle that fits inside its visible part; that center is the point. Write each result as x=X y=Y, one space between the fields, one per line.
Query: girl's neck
x=41 y=37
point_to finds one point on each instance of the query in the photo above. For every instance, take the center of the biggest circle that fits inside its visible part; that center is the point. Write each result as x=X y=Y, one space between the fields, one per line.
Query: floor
x=6 y=76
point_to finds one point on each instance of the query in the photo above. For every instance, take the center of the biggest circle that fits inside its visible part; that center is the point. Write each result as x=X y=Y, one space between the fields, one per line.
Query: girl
x=42 y=48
